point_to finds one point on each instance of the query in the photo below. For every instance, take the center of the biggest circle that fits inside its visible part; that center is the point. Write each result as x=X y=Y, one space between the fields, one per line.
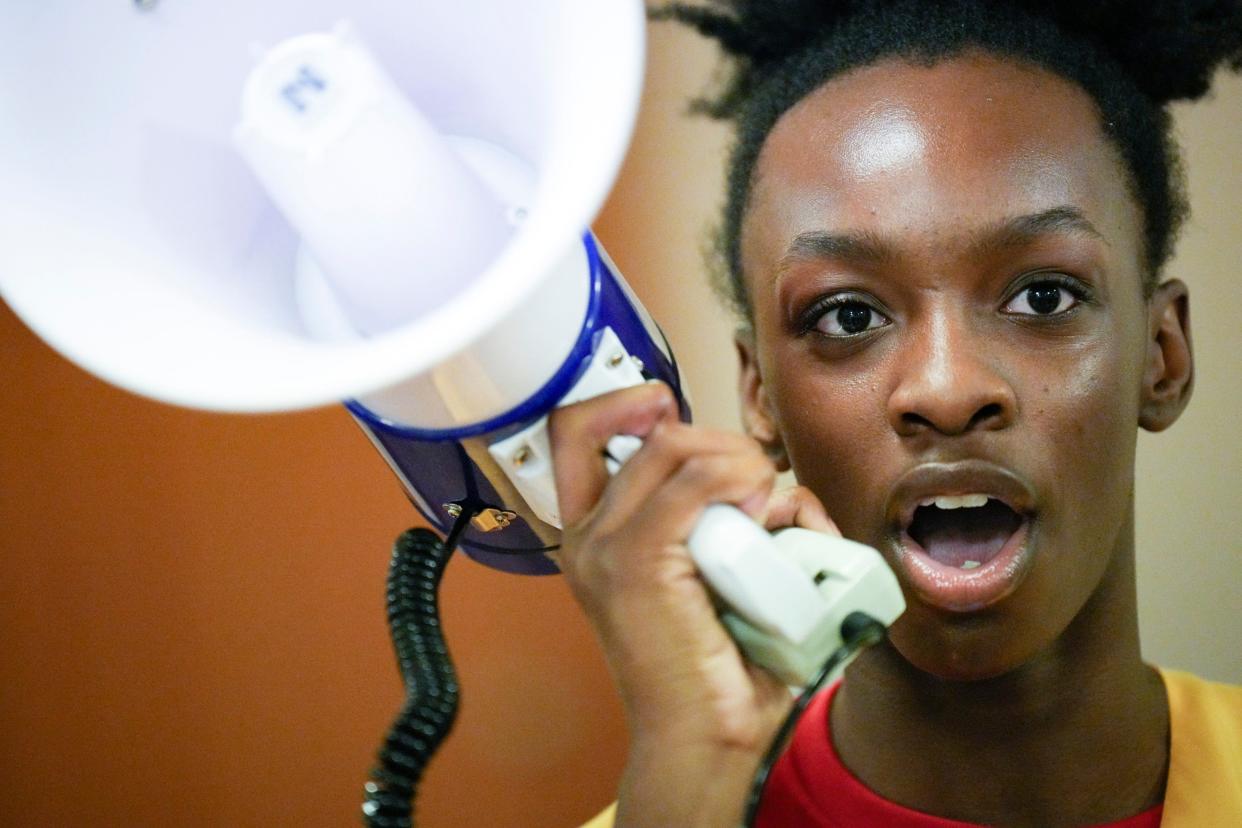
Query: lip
x=948 y=587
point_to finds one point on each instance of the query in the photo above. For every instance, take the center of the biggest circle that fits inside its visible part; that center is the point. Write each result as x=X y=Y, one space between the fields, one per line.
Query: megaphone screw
x=616 y=359
x=452 y=509
x=521 y=456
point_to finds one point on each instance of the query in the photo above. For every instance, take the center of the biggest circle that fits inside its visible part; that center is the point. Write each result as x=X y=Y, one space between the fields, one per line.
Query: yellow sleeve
x=1205 y=753
x=604 y=819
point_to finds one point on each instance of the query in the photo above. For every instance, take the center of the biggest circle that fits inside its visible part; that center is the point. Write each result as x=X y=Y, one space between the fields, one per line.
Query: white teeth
x=969 y=501
x=969 y=564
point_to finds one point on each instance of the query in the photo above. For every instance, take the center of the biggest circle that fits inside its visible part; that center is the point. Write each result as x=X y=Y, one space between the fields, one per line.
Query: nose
x=948 y=382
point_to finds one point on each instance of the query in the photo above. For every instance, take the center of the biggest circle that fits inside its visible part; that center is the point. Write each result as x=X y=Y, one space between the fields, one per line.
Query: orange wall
x=192 y=620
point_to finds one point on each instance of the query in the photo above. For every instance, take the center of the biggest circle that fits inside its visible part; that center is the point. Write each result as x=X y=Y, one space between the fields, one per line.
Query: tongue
x=957 y=536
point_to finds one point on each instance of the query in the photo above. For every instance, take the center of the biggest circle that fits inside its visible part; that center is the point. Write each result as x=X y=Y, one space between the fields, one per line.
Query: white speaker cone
x=134 y=239
x=396 y=220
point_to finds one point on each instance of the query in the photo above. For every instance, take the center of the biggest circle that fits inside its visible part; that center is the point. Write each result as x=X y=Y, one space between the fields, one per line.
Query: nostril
x=991 y=411
x=949 y=400
x=915 y=421
x=988 y=416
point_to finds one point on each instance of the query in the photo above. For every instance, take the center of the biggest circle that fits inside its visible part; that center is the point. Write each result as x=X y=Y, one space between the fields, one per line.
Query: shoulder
x=1205 y=709
x=1192 y=685
x=1205 y=751
x=604 y=819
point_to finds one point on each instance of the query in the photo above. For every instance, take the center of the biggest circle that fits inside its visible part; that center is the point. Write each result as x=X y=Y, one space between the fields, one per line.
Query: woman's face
x=950 y=341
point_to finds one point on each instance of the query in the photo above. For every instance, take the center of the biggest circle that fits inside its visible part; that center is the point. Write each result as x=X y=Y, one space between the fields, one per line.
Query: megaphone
x=251 y=207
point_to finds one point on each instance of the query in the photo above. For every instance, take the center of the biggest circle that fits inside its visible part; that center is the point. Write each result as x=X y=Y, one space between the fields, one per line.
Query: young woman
x=944 y=236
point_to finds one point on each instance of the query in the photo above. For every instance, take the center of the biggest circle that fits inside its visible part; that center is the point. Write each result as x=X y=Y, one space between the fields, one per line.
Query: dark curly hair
x=1132 y=58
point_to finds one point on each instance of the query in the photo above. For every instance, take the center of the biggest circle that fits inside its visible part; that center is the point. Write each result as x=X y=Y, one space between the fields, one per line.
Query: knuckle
x=661 y=394
x=725 y=474
x=585 y=562
x=708 y=471
x=602 y=569
x=696 y=470
x=667 y=439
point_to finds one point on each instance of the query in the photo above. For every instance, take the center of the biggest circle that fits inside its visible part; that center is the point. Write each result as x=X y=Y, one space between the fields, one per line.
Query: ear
x=1169 y=376
x=756 y=408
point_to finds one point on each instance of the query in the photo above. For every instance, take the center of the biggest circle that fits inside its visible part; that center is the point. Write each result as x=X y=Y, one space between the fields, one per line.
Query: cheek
x=1086 y=413
x=835 y=435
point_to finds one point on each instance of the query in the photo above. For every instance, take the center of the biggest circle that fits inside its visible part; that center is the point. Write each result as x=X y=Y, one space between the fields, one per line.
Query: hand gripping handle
x=738 y=558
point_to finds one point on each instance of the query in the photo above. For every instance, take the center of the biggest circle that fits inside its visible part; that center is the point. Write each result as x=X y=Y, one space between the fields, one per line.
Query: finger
x=670 y=515
x=579 y=433
x=798 y=506
x=653 y=535
x=666 y=449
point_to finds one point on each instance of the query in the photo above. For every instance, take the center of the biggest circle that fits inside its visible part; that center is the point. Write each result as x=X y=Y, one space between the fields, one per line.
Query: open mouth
x=965 y=531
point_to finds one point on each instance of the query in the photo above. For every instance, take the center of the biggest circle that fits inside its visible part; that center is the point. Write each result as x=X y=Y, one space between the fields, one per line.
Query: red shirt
x=809 y=786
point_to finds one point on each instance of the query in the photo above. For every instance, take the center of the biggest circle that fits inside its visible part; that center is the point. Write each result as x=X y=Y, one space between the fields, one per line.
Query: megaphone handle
x=765 y=580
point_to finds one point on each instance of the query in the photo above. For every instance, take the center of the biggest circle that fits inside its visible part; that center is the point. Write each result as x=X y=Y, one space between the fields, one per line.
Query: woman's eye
x=848 y=318
x=1042 y=299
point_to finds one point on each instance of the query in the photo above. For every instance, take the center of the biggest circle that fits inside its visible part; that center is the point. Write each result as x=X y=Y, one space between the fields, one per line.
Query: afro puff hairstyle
x=1133 y=57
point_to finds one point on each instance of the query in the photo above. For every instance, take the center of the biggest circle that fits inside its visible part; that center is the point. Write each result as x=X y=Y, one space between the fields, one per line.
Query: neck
x=1078 y=735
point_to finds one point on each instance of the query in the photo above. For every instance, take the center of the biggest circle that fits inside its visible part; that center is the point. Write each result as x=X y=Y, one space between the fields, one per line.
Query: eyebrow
x=1021 y=230
x=865 y=247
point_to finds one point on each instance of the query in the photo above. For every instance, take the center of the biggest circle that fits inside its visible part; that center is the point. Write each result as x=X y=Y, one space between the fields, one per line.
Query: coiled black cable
x=431 y=691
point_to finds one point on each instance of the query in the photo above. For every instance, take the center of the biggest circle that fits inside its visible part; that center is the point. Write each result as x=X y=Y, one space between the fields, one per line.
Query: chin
x=973 y=649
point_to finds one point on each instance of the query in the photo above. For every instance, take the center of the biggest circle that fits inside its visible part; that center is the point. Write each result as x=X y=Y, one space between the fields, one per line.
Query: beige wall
x=190 y=604
x=1190 y=478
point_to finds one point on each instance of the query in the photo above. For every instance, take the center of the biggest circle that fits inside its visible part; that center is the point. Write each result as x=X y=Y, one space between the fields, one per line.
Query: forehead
x=900 y=149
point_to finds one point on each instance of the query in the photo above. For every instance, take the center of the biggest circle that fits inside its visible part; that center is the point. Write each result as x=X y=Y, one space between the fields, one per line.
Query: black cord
x=418 y=561
x=431 y=692
x=857 y=631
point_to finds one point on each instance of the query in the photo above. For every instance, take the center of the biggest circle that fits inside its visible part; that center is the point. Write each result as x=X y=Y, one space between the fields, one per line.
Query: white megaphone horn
x=139 y=243
x=248 y=206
